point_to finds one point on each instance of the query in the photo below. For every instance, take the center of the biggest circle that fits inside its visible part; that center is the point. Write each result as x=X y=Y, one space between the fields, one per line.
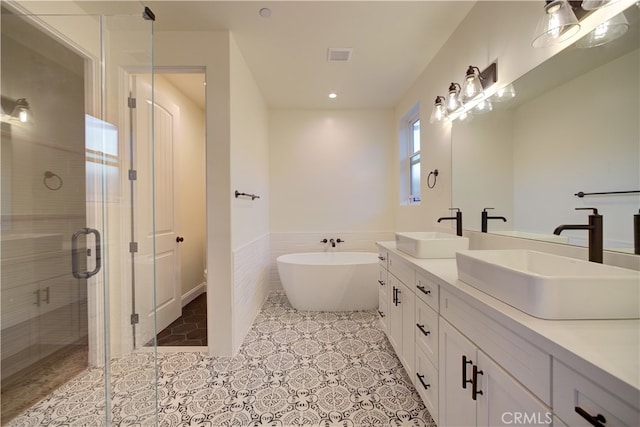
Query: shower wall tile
x=250 y=282
x=287 y=243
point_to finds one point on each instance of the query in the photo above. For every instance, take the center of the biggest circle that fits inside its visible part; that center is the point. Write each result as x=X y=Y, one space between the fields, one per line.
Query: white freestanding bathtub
x=330 y=281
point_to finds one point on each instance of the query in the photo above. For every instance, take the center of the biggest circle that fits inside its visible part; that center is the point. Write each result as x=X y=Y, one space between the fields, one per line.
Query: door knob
x=179 y=239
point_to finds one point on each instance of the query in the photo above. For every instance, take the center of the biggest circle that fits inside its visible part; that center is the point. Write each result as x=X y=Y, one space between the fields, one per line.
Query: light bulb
x=465 y=117
x=558 y=24
x=439 y=112
x=504 y=94
x=472 y=86
x=483 y=106
x=453 y=100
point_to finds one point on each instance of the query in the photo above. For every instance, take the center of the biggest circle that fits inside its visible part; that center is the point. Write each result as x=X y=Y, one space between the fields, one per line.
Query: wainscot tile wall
x=251 y=267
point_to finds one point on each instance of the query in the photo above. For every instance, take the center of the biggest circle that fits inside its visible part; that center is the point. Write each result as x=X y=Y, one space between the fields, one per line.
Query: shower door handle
x=74 y=253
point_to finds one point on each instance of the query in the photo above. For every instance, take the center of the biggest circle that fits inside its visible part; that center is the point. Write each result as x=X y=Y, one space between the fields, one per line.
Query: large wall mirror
x=573 y=126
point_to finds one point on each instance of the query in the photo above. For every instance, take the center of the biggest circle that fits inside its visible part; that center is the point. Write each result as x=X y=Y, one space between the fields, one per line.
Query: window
x=410 y=157
x=414 y=161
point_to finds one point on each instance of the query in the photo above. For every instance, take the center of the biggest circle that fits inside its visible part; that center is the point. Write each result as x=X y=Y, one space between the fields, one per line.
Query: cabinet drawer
x=427 y=373
x=402 y=270
x=572 y=390
x=383 y=314
x=530 y=365
x=383 y=258
x=426 y=330
x=382 y=280
x=427 y=291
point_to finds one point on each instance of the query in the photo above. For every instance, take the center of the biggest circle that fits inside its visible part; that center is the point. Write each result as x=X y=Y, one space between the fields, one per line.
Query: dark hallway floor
x=190 y=329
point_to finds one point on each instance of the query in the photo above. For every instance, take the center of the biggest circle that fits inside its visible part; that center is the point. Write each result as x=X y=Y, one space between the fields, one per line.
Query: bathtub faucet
x=333 y=242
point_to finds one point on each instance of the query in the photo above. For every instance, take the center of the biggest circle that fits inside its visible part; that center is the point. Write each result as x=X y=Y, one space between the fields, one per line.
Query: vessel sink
x=551 y=286
x=424 y=244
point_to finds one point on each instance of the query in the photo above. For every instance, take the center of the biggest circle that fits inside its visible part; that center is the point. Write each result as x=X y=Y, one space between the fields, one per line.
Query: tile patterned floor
x=293 y=369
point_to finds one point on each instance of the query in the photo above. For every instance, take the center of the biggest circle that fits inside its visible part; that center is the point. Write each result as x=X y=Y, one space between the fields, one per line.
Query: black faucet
x=333 y=243
x=486 y=217
x=457 y=219
x=595 y=233
x=636 y=233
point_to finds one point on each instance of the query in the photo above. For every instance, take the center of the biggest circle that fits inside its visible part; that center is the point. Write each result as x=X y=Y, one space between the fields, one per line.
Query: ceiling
x=392 y=42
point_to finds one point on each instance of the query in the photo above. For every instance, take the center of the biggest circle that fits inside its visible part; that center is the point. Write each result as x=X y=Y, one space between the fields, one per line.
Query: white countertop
x=611 y=346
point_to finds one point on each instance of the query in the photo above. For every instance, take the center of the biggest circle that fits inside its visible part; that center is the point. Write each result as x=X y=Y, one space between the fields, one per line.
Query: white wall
x=330 y=170
x=185 y=48
x=249 y=174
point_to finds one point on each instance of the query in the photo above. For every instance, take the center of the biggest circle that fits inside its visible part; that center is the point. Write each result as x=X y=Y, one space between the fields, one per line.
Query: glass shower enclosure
x=70 y=263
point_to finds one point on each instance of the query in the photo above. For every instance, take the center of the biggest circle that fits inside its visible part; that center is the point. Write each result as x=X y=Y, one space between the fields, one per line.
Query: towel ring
x=56 y=184
x=435 y=178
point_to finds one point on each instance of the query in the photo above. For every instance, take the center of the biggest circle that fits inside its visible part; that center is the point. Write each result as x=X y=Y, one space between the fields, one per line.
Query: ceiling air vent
x=339 y=54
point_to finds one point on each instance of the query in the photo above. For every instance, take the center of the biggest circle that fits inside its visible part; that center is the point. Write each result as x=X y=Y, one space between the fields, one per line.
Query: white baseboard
x=194 y=293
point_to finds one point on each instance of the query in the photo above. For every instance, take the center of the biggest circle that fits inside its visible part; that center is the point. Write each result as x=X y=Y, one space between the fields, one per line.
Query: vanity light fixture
x=476 y=81
x=22 y=110
x=453 y=99
x=465 y=117
x=596 y=4
x=439 y=112
x=606 y=32
x=484 y=106
x=504 y=94
x=471 y=86
x=558 y=24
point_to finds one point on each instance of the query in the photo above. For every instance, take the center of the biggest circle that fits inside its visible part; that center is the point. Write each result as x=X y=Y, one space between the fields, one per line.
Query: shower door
x=65 y=250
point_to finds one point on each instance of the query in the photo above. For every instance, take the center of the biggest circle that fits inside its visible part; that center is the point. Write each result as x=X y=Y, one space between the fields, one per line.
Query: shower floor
x=23 y=389
x=294 y=368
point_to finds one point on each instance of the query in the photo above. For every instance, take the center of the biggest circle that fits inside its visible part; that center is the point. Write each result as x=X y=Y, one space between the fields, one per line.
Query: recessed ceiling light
x=265 y=12
x=333 y=95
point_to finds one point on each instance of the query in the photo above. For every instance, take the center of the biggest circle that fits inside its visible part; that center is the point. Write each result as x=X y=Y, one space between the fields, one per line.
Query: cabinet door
x=457 y=356
x=501 y=400
x=407 y=302
x=395 y=314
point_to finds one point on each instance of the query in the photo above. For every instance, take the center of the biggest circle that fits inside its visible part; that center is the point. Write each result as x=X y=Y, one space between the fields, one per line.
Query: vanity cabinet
x=42 y=306
x=396 y=308
x=475 y=391
x=474 y=364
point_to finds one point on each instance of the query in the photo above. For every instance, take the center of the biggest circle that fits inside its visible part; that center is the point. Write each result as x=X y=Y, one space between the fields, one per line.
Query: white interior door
x=155 y=177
